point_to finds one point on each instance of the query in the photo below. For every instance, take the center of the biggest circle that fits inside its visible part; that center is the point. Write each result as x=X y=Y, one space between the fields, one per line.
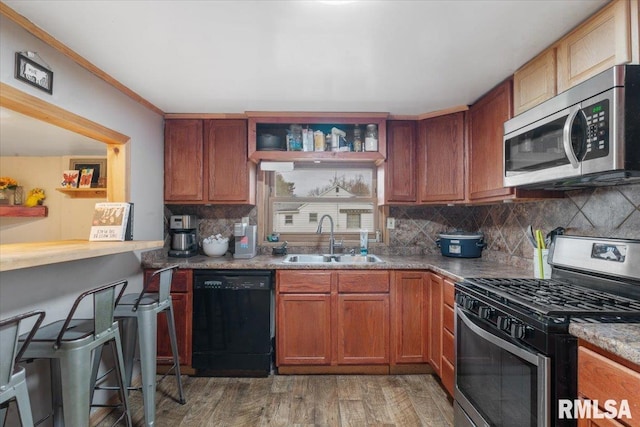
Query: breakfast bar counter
x=23 y=255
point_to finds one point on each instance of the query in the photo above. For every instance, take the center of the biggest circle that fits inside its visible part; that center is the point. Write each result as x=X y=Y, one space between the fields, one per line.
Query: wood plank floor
x=299 y=400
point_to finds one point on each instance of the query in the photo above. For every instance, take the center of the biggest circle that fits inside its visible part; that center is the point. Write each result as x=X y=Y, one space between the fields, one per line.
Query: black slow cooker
x=461 y=244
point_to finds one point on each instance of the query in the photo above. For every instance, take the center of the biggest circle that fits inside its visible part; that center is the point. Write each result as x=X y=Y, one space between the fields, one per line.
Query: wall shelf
x=276 y=123
x=84 y=193
x=23 y=211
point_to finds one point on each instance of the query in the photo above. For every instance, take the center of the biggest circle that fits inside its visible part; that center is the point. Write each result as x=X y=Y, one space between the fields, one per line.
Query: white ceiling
x=402 y=57
x=22 y=135
x=205 y=56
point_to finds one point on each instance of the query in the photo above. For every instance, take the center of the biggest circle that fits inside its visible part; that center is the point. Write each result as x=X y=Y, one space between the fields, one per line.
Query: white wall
x=67 y=218
x=54 y=288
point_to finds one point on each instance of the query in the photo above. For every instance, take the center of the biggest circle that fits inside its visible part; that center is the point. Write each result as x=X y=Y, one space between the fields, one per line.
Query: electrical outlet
x=391 y=223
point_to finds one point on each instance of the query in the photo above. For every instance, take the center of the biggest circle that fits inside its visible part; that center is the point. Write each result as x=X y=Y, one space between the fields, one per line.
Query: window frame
x=313 y=238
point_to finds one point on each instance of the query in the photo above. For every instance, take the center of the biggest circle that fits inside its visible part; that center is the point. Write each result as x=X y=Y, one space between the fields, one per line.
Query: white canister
x=371 y=138
x=545 y=272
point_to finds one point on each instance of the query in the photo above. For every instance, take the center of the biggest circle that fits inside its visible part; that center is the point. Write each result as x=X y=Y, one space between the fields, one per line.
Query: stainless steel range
x=515 y=357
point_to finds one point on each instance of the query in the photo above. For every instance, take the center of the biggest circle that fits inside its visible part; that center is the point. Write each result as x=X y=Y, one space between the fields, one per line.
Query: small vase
x=18 y=196
x=6 y=196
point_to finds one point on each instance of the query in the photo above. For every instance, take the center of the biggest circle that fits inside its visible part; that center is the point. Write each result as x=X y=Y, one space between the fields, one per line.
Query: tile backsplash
x=603 y=212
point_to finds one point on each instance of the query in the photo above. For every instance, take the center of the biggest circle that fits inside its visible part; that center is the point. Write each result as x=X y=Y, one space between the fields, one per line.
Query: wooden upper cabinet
x=206 y=162
x=607 y=38
x=535 y=82
x=400 y=167
x=183 y=160
x=602 y=41
x=231 y=177
x=486 y=130
x=441 y=158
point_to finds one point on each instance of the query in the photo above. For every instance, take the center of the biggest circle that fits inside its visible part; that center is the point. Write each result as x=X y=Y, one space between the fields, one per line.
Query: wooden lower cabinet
x=435 y=321
x=604 y=376
x=448 y=360
x=363 y=329
x=182 y=300
x=409 y=317
x=332 y=318
x=304 y=329
x=422 y=324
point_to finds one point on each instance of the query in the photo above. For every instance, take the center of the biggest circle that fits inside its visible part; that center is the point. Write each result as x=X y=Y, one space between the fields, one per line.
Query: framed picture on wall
x=33 y=73
x=98 y=165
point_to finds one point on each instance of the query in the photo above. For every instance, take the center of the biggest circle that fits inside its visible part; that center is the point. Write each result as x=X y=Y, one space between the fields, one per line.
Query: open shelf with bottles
x=277 y=124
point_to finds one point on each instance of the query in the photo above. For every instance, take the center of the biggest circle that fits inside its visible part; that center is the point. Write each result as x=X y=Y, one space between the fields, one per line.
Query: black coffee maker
x=184 y=239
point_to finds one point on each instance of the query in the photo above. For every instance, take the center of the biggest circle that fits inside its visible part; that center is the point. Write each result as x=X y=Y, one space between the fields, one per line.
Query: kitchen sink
x=338 y=259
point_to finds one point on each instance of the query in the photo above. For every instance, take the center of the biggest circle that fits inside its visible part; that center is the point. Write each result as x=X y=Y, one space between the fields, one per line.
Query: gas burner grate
x=556 y=297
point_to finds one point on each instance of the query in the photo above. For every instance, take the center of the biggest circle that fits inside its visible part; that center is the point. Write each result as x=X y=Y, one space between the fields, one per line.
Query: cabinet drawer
x=448 y=344
x=181 y=282
x=304 y=281
x=448 y=318
x=449 y=291
x=363 y=282
x=448 y=377
x=600 y=378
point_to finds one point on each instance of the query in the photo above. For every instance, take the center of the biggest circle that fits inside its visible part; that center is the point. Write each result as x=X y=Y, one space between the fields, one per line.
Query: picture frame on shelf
x=85 y=178
x=70 y=178
x=33 y=73
x=99 y=166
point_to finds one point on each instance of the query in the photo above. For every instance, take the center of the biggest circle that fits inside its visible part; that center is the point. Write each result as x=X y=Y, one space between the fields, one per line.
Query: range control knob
x=484 y=312
x=503 y=323
x=460 y=300
x=517 y=330
x=470 y=303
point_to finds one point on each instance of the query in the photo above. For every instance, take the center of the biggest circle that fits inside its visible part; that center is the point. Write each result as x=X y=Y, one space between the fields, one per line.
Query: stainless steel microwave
x=588 y=135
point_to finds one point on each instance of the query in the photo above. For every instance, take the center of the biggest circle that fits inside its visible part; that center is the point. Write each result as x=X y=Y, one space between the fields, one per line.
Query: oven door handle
x=542 y=362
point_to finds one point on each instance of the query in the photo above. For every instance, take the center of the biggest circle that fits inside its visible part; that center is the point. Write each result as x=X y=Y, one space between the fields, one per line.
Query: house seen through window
x=299 y=199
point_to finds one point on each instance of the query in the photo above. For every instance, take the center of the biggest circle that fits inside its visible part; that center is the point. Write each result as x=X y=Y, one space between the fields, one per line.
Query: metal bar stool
x=13 y=382
x=140 y=312
x=69 y=345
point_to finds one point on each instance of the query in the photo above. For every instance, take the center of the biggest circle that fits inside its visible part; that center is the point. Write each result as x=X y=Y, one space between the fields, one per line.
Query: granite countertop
x=621 y=339
x=456 y=268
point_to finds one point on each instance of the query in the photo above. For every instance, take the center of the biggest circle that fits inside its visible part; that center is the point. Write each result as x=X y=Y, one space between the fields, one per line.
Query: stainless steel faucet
x=332 y=242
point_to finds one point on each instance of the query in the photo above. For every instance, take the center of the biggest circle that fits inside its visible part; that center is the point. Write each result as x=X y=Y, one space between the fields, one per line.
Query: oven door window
x=494 y=383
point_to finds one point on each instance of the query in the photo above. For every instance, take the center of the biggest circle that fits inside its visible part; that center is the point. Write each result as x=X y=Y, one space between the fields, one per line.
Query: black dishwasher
x=233 y=322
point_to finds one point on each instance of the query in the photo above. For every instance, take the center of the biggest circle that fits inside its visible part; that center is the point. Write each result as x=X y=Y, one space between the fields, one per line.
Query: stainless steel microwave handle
x=566 y=136
x=542 y=362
